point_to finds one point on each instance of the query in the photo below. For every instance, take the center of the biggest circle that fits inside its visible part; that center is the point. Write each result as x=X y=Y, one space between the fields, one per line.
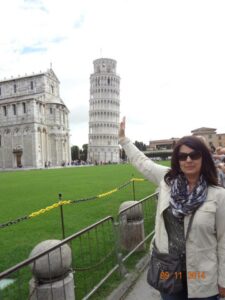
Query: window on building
x=52 y=88
x=209 y=136
x=5 y=110
x=219 y=137
x=14 y=109
x=31 y=85
x=14 y=88
x=51 y=110
x=24 y=108
x=0 y=91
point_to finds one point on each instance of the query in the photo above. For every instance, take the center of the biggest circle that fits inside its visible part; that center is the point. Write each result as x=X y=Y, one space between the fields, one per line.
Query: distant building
x=212 y=138
x=165 y=144
x=104 y=112
x=34 y=127
x=210 y=135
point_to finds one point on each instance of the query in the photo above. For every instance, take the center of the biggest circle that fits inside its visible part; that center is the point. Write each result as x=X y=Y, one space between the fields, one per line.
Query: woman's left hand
x=122 y=128
x=221 y=292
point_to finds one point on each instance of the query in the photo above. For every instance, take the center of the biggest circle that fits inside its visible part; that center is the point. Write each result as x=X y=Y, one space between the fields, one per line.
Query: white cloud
x=170 y=57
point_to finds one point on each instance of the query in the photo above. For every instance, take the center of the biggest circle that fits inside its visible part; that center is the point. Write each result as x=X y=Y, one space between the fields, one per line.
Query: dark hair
x=208 y=169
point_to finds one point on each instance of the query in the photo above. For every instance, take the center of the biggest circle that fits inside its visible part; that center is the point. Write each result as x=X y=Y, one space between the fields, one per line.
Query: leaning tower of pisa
x=104 y=112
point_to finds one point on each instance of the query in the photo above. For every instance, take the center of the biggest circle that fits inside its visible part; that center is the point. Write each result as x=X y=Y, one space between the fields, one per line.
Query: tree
x=122 y=154
x=83 y=152
x=75 y=152
x=140 y=145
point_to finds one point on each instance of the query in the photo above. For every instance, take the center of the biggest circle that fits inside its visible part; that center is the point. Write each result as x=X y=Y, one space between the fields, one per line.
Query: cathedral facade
x=34 y=126
x=104 y=112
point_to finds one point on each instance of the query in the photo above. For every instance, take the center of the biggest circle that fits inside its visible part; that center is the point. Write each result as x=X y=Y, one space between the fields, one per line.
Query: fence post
x=131 y=225
x=119 y=255
x=62 y=217
x=52 y=276
x=133 y=186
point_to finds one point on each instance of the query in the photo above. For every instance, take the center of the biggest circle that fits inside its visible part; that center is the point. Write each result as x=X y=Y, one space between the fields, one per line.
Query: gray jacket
x=205 y=247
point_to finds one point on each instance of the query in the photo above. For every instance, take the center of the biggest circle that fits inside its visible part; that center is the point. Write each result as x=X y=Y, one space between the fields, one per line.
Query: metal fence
x=99 y=252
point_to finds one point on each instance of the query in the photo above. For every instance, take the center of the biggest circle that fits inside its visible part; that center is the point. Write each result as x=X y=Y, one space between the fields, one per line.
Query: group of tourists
x=219 y=159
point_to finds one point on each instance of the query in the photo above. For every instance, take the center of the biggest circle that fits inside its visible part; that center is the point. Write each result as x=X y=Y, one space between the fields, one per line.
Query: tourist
x=189 y=187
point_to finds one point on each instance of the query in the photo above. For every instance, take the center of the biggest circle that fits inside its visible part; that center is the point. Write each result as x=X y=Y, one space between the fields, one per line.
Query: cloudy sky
x=170 y=57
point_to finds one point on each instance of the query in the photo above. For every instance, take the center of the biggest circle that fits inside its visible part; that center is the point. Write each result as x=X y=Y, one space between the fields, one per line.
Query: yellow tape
x=108 y=193
x=43 y=210
x=64 y=202
x=137 y=179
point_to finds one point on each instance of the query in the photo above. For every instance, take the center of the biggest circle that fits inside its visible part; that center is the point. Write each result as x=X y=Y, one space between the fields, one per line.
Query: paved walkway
x=142 y=290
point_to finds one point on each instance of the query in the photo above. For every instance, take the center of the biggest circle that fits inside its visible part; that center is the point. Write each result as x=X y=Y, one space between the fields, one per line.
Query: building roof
x=203 y=129
x=164 y=140
x=48 y=72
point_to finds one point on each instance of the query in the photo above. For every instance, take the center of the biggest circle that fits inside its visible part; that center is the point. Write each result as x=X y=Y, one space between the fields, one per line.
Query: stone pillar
x=52 y=279
x=131 y=226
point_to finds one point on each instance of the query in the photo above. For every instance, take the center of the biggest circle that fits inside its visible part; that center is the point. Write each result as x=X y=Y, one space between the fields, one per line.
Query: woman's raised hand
x=122 y=128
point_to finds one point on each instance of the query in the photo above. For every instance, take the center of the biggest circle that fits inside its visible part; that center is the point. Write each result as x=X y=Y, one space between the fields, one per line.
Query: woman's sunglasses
x=194 y=155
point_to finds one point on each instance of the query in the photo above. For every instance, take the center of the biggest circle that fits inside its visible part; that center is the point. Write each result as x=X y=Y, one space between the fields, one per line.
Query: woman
x=190 y=185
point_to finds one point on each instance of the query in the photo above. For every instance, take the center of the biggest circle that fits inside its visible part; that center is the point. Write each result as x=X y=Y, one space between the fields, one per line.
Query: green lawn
x=23 y=192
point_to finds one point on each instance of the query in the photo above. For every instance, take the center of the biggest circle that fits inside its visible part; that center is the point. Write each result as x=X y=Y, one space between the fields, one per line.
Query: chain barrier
x=84 y=199
x=97 y=264
x=44 y=210
x=66 y=202
x=14 y=221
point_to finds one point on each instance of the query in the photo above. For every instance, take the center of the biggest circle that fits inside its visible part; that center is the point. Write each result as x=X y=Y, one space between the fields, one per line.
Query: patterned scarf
x=184 y=203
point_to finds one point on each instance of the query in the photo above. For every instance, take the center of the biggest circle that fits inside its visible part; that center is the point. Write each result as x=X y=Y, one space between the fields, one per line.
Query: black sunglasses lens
x=182 y=156
x=193 y=156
